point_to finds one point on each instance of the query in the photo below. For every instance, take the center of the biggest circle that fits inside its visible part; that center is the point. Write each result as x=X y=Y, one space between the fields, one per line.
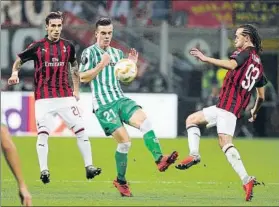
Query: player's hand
x=105 y=59
x=25 y=196
x=133 y=55
x=253 y=116
x=76 y=95
x=198 y=54
x=13 y=80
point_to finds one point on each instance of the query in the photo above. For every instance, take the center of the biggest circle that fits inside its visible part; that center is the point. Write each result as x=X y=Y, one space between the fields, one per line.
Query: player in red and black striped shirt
x=53 y=58
x=245 y=72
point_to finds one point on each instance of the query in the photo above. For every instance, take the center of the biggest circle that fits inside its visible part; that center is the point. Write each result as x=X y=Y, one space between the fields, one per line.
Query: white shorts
x=66 y=108
x=224 y=120
x=3 y=119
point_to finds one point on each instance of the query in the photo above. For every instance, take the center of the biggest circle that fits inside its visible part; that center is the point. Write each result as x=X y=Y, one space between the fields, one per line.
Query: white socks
x=234 y=159
x=82 y=142
x=124 y=147
x=84 y=147
x=146 y=126
x=194 y=139
x=42 y=150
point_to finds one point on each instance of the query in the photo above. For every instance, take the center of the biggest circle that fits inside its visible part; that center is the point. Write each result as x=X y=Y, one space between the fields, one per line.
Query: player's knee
x=146 y=126
x=43 y=131
x=79 y=130
x=124 y=147
x=191 y=120
x=224 y=140
x=137 y=118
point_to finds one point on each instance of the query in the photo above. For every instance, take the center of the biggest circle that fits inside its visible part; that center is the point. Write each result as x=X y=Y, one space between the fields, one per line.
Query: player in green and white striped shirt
x=112 y=108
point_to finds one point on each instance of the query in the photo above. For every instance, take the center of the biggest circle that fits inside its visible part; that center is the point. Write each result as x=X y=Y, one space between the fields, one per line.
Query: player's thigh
x=226 y=122
x=72 y=117
x=207 y=115
x=43 y=117
x=131 y=113
x=137 y=118
x=109 y=119
x=121 y=135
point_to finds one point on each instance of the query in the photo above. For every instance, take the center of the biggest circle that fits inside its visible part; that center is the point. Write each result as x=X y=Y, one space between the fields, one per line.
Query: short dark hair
x=253 y=33
x=53 y=15
x=104 y=21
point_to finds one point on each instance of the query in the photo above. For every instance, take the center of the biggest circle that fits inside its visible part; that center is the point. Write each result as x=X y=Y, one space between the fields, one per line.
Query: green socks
x=152 y=144
x=121 y=165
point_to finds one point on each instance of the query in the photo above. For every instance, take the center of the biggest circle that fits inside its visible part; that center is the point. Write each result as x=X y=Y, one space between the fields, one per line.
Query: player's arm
x=230 y=64
x=74 y=71
x=226 y=64
x=12 y=158
x=88 y=68
x=16 y=66
x=260 y=98
x=21 y=58
x=75 y=78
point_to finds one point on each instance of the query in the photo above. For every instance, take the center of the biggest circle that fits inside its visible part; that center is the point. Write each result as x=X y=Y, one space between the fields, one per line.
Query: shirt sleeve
x=87 y=61
x=73 y=56
x=240 y=57
x=262 y=82
x=29 y=53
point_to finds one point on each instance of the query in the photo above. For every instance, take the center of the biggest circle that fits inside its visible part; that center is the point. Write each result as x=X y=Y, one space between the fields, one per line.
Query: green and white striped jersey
x=105 y=87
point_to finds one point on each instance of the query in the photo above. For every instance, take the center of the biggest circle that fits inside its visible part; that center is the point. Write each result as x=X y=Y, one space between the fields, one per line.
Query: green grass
x=212 y=182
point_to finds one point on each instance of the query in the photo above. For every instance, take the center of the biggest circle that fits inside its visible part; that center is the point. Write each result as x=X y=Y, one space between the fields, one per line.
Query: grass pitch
x=212 y=182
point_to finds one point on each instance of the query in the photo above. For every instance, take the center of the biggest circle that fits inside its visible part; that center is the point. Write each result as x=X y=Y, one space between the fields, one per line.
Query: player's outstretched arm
x=227 y=64
x=90 y=74
x=258 y=103
x=11 y=155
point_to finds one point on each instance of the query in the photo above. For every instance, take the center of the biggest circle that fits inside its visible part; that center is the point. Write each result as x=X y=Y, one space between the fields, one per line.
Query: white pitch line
x=141 y=182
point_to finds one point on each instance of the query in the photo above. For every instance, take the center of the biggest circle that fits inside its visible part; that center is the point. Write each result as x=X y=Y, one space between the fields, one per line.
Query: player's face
x=240 y=39
x=104 y=35
x=54 y=29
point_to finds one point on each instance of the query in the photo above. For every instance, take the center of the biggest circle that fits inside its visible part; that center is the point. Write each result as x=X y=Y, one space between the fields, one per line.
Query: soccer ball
x=125 y=70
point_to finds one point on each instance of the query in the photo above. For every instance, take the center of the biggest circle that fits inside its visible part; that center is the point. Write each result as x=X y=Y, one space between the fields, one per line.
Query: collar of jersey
x=51 y=42
x=102 y=50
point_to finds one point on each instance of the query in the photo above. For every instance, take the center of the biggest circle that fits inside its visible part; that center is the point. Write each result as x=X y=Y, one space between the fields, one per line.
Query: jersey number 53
x=251 y=76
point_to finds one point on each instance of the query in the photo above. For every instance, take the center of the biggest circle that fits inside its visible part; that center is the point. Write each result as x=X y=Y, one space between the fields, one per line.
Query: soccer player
x=245 y=72
x=12 y=158
x=53 y=93
x=112 y=108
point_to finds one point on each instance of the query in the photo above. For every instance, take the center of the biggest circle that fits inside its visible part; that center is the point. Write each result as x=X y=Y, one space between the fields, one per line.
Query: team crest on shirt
x=112 y=64
x=84 y=60
x=64 y=49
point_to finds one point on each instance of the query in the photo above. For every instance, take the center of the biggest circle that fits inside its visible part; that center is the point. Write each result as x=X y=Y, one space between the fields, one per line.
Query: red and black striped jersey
x=238 y=83
x=51 y=75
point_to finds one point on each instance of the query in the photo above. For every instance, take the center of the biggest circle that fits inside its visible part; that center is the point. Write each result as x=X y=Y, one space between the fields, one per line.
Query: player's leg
x=12 y=158
x=226 y=123
x=207 y=115
x=43 y=131
x=74 y=121
x=43 y=119
x=121 y=159
x=111 y=123
x=133 y=115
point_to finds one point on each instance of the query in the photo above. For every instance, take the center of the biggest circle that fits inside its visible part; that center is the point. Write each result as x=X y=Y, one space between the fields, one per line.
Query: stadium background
x=170 y=84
